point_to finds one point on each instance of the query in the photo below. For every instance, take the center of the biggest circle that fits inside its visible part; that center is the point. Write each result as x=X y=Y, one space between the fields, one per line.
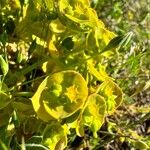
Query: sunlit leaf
x=98 y=38
x=118 y=42
x=92 y=43
x=55 y=136
x=5 y=115
x=107 y=35
x=80 y=126
x=39 y=106
x=56 y=26
x=3 y=87
x=111 y=127
x=100 y=75
x=52 y=48
x=112 y=93
x=74 y=14
x=31 y=23
x=76 y=19
x=3 y=146
x=4 y=100
x=126 y=40
x=94 y=113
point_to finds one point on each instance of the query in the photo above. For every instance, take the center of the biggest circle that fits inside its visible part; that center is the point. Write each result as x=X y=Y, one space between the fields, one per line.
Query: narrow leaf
x=114 y=43
x=4 y=65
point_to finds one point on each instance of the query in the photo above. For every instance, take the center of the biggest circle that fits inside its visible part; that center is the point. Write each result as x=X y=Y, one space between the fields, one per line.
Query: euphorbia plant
x=77 y=46
x=76 y=92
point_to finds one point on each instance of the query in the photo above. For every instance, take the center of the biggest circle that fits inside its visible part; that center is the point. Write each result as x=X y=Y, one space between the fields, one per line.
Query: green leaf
x=19 y=57
x=55 y=136
x=53 y=65
x=23 y=108
x=35 y=139
x=4 y=38
x=119 y=41
x=4 y=65
x=140 y=145
x=60 y=95
x=72 y=120
x=125 y=41
x=114 y=43
x=92 y=115
x=3 y=87
x=3 y=3
x=3 y=146
x=56 y=26
x=22 y=104
x=107 y=35
x=4 y=100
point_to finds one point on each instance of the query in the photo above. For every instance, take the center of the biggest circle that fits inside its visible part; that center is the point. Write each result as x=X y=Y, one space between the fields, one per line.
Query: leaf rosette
x=60 y=95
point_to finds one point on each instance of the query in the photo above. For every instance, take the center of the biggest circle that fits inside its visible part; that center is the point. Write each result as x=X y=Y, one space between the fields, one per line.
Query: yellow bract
x=112 y=93
x=55 y=136
x=100 y=75
x=60 y=95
